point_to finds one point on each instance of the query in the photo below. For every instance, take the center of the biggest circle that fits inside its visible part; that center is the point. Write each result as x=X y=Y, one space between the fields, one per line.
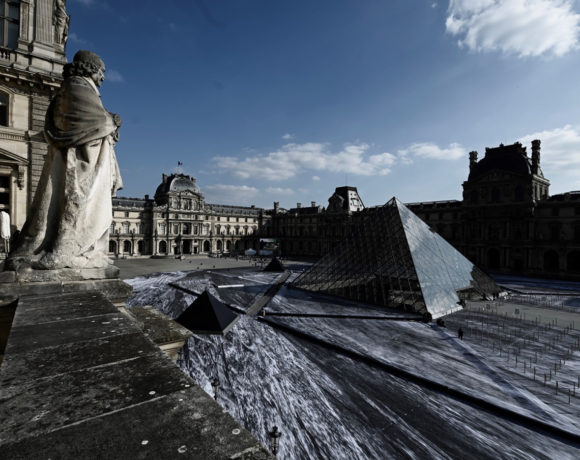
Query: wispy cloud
x=74 y=38
x=515 y=27
x=560 y=148
x=114 y=76
x=86 y=2
x=280 y=191
x=430 y=150
x=288 y=136
x=315 y=178
x=230 y=194
x=292 y=159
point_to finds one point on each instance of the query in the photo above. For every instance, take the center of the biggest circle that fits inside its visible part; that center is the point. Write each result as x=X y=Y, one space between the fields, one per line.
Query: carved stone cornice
x=24 y=82
x=13 y=135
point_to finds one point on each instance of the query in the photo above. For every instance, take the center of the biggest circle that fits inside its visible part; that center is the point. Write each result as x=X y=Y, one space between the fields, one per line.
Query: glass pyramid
x=393 y=259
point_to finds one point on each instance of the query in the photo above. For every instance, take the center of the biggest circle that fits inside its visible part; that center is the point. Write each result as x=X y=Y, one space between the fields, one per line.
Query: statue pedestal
x=26 y=281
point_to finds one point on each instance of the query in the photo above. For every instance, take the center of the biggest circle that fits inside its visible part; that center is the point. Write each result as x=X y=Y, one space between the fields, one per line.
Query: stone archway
x=206 y=246
x=127 y=247
x=493 y=262
x=187 y=246
x=113 y=246
x=573 y=262
x=551 y=261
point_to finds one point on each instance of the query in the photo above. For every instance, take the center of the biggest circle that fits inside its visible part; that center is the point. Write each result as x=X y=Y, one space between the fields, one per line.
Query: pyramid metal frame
x=393 y=259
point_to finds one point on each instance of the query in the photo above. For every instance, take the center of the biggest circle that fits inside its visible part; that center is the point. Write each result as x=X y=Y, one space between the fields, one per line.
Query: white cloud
x=280 y=191
x=229 y=194
x=560 y=149
x=520 y=27
x=315 y=178
x=291 y=159
x=434 y=5
x=74 y=38
x=288 y=136
x=114 y=76
x=430 y=150
x=85 y=2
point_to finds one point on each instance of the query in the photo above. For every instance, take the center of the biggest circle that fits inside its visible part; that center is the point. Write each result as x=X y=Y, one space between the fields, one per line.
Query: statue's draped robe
x=71 y=213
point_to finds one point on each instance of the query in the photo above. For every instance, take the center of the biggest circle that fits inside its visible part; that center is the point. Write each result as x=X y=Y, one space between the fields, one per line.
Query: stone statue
x=71 y=213
x=61 y=22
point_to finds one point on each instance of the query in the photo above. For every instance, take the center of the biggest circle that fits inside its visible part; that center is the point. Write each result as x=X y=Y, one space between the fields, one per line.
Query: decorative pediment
x=11 y=158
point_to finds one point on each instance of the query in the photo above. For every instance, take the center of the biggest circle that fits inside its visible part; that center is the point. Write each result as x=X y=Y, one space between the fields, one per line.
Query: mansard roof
x=511 y=158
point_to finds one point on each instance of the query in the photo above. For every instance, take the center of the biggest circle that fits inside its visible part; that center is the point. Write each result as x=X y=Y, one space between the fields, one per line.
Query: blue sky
x=284 y=100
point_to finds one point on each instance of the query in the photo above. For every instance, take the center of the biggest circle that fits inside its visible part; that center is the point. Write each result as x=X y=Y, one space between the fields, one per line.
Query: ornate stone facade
x=31 y=63
x=506 y=223
x=179 y=221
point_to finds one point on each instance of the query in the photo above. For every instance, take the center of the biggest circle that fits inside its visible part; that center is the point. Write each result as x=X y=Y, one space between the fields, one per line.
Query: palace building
x=507 y=221
x=177 y=221
x=32 y=54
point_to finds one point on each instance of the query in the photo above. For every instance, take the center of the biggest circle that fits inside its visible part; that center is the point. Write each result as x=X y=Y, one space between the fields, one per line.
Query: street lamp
x=275 y=439
x=215 y=383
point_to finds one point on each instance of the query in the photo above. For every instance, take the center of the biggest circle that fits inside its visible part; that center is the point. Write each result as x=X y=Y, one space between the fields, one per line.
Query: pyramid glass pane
x=392 y=258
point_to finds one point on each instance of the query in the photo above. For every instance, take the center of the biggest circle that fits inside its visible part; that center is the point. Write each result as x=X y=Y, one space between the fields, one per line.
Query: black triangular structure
x=207 y=315
x=274 y=266
x=392 y=258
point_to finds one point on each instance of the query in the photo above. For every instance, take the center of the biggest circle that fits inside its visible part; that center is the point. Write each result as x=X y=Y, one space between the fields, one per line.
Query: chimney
x=313 y=204
x=536 y=156
x=164 y=178
x=298 y=205
x=472 y=159
x=276 y=205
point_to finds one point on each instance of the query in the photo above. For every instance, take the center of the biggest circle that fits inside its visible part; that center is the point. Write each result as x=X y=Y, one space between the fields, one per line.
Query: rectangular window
x=9 y=23
x=3 y=109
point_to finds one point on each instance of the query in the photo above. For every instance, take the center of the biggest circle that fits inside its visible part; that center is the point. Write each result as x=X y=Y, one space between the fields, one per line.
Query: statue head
x=86 y=64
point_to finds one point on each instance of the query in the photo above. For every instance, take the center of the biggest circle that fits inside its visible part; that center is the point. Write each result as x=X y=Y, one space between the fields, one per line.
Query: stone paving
x=79 y=380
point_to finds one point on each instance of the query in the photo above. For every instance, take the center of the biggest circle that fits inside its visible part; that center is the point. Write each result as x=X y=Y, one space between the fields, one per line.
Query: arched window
x=9 y=23
x=573 y=261
x=219 y=245
x=112 y=229
x=126 y=246
x=113 y=246
x=493 y=259
x=206 y=246
x=4 y=109
x=162 y=228
x=162 y=247
x=551 y=261
x=555 y=231
x=474 y=197
x=140 y=246
x=126 y=227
